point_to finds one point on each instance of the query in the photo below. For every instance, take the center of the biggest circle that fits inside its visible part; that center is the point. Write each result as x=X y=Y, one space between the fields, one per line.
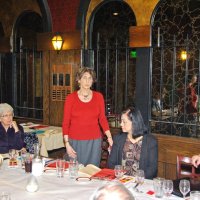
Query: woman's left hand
x=110 y=141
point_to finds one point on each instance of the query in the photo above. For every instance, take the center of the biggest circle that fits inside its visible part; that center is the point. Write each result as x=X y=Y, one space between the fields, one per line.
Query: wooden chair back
x=185 y=167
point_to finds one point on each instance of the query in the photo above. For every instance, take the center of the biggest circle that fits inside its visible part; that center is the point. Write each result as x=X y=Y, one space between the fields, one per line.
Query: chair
x=185 y=168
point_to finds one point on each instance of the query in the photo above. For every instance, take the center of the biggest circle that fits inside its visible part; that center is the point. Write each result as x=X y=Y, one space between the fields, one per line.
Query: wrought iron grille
x=175 y=30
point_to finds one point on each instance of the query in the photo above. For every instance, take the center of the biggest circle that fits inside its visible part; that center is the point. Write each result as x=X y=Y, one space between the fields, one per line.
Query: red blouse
x=81 y=119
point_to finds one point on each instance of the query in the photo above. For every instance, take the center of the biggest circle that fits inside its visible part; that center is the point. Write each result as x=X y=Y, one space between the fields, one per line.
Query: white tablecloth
x=14 y=182
x=51 y=139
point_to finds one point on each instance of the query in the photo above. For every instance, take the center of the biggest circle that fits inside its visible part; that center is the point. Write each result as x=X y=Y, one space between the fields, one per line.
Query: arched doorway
x=110 y=55
x=27 y=67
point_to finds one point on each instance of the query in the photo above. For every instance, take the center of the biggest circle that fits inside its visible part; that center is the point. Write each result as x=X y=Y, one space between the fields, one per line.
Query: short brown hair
x=83 y=70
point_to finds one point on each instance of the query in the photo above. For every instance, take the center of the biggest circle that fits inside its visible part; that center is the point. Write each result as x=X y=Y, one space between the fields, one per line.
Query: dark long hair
x=135 y=116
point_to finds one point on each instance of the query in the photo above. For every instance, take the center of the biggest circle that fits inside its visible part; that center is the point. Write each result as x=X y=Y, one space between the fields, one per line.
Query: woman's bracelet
x=109 y=137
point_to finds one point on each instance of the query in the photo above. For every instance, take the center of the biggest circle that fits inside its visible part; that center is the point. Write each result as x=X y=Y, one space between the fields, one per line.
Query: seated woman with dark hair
x=11 y=134
x=134 y=148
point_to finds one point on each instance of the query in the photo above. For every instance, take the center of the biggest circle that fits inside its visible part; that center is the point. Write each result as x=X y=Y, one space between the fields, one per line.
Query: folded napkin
x=52 y=165
x=38 y=126
x=39 y=131
x=104 y=174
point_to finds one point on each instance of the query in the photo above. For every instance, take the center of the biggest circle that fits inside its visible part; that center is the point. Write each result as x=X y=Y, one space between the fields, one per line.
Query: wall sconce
x=183 y=55
x=57 y=42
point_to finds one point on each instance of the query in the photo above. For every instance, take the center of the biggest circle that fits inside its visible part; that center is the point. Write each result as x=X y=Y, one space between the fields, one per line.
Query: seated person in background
x=188 y=105
x=115 y=191
x=196 y=160
x=134 y=148
x=11 y=134
x=156 y=107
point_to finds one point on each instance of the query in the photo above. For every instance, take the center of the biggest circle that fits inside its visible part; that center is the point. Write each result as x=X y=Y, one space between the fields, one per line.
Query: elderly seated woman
x=134 y=148
x=11 y=134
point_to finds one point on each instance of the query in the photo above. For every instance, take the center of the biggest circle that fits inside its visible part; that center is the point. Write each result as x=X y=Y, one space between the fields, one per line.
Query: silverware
x=136 y=185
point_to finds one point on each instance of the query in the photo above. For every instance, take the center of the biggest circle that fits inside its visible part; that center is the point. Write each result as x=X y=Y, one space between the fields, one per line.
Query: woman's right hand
x=70 y=150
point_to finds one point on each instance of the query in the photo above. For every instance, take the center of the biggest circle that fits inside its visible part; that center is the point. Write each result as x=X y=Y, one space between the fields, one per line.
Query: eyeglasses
x=7 y=115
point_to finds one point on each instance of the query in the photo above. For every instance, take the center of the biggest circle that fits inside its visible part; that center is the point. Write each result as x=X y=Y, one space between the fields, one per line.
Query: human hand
x=14 y=125
x=70 y=150
x=196 y=160
x=110 y=141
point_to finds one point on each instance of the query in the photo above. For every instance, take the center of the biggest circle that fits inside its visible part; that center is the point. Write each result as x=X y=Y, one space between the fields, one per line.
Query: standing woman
x=11 y=134
x=134 y=148
x=84 y=113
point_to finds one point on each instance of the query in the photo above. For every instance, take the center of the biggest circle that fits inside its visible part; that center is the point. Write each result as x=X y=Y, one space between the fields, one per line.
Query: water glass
x=168 y=187
x=184 y=187
x=158 y=187
x=195 y=195
x=23 y=157
x=139 y=176
x=60 y=167
x=119 y=171
x=1 y=161
x=5 y=196
x=73 y=169
x=36 y=147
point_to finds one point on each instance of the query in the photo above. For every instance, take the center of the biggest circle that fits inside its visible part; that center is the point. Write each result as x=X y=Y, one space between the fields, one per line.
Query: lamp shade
x=183 y=55
x=57 y=42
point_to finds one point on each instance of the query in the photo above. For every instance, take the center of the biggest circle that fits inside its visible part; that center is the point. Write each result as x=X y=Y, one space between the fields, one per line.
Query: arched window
x=176 y=68
x=112 y=59
x=28 y=90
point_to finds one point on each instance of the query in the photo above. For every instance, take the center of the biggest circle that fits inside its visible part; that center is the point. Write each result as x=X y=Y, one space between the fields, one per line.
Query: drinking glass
x=168 y=187
x=184 y=187
x=60 y=167
x=139 y=176
x=158 y=187
x=119 y=171
x=28 y=163
x=5 y=196
x=1 y=161
x=195 y=195
x=12 y=155
x=73 y=169
x=36 y=150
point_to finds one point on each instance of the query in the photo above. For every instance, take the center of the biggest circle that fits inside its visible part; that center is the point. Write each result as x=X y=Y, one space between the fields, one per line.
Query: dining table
x=49 y=137
x=14 y=181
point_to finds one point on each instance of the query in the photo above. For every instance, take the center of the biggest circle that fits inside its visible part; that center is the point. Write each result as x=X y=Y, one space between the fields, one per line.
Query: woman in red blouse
x=84 y=113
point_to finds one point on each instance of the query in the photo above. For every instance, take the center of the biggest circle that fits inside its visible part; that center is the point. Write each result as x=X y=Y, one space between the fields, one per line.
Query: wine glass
x=168 y=187
x=12 y=155
x=119 y=171
x=139 y=176
x=184 y=187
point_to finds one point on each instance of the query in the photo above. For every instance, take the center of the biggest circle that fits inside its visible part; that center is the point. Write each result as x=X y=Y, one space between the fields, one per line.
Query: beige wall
x=142 y=9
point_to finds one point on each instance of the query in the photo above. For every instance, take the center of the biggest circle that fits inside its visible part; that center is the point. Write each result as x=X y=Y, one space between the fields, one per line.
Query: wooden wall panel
x=53 y=110
x=72 y=40
x=46 y=72
x=139 y=36
x=169 y=147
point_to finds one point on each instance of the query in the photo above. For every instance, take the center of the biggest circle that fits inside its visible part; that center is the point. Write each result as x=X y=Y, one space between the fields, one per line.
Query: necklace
x=85 y=96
